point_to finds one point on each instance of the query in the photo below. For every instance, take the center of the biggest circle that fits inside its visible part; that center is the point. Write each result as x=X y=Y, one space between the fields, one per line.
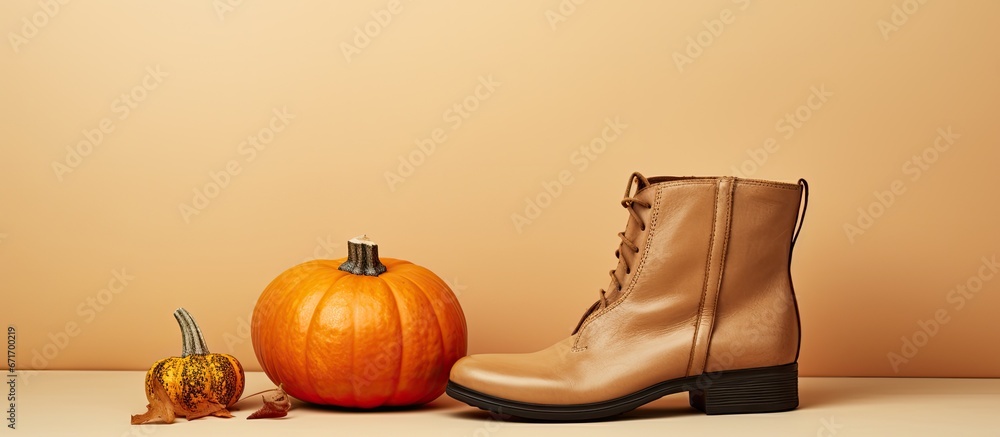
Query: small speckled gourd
x=197 y=377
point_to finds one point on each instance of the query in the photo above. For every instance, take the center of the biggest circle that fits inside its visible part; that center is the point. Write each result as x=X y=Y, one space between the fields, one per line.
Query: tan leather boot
x=701 y=301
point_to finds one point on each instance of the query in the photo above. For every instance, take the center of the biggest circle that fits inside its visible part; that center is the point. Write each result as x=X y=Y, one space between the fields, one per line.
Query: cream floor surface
x=98 y=403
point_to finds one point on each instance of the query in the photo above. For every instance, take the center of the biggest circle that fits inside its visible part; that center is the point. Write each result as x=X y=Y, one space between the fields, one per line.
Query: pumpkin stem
x=193 y=341
x=362 y=257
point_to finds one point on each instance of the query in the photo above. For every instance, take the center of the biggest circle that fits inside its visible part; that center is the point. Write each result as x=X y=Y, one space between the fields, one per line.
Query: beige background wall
x=179 y=86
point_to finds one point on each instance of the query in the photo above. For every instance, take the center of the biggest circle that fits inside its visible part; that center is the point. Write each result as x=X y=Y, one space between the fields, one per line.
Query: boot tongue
x=632 y=231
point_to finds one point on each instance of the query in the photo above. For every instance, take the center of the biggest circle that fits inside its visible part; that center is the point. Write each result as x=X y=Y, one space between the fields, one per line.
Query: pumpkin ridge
x=272 y=295
x=333 y=264
x=449 y=302
x=354 y=343
x=242 y=381
x=450 y=297
x=402 y=266
x=211 y=386
x=217 y=375
x=225 y=369
x=232 y=375
x=430 y=303
x=312 y=322
x=187 y=395
x=155 y=372
x=399 y=338
x=395 y=263
x=441 y=335
x=285 y=300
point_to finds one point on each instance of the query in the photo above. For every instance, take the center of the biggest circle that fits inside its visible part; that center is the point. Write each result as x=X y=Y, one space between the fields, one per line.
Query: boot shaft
x=755 y=321
x=711 y=259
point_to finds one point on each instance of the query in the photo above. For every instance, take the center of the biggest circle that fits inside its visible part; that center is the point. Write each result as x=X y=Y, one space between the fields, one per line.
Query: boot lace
x=629 y=203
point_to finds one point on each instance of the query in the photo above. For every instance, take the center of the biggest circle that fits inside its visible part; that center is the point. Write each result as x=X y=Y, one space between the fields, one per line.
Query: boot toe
x=502 y=376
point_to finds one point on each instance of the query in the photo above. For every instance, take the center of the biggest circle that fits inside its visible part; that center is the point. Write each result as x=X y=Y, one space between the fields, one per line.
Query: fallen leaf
x=277 y=406
x=222 y=413
x=209 y=408
x=159 y=409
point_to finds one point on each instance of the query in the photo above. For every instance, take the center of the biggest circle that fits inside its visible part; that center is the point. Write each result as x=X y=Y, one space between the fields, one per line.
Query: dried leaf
x=209 y=408
x=223 y=413
x=159 y=409
x=276 y=404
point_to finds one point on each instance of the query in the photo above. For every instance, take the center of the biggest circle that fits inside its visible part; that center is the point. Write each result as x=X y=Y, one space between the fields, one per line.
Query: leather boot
x=701 y=301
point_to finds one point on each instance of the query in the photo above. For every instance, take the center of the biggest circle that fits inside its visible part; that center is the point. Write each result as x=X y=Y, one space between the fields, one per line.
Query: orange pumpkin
x=359 y=332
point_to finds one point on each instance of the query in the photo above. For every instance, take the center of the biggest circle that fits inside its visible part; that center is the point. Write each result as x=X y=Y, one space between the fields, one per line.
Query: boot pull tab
x=802 y=216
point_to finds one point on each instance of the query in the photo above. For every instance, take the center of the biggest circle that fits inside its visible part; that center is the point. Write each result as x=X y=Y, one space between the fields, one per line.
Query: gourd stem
x=362 y=258
x=193 y=340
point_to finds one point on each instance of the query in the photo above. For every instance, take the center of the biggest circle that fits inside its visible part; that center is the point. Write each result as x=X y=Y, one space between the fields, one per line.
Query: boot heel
x=761 y=390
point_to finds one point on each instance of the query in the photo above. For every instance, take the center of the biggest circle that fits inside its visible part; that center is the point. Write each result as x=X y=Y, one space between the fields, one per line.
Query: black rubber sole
x=760 y=390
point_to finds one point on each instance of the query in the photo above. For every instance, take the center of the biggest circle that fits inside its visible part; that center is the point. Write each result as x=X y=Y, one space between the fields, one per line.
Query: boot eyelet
x=628 y=271
x=642 y=228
